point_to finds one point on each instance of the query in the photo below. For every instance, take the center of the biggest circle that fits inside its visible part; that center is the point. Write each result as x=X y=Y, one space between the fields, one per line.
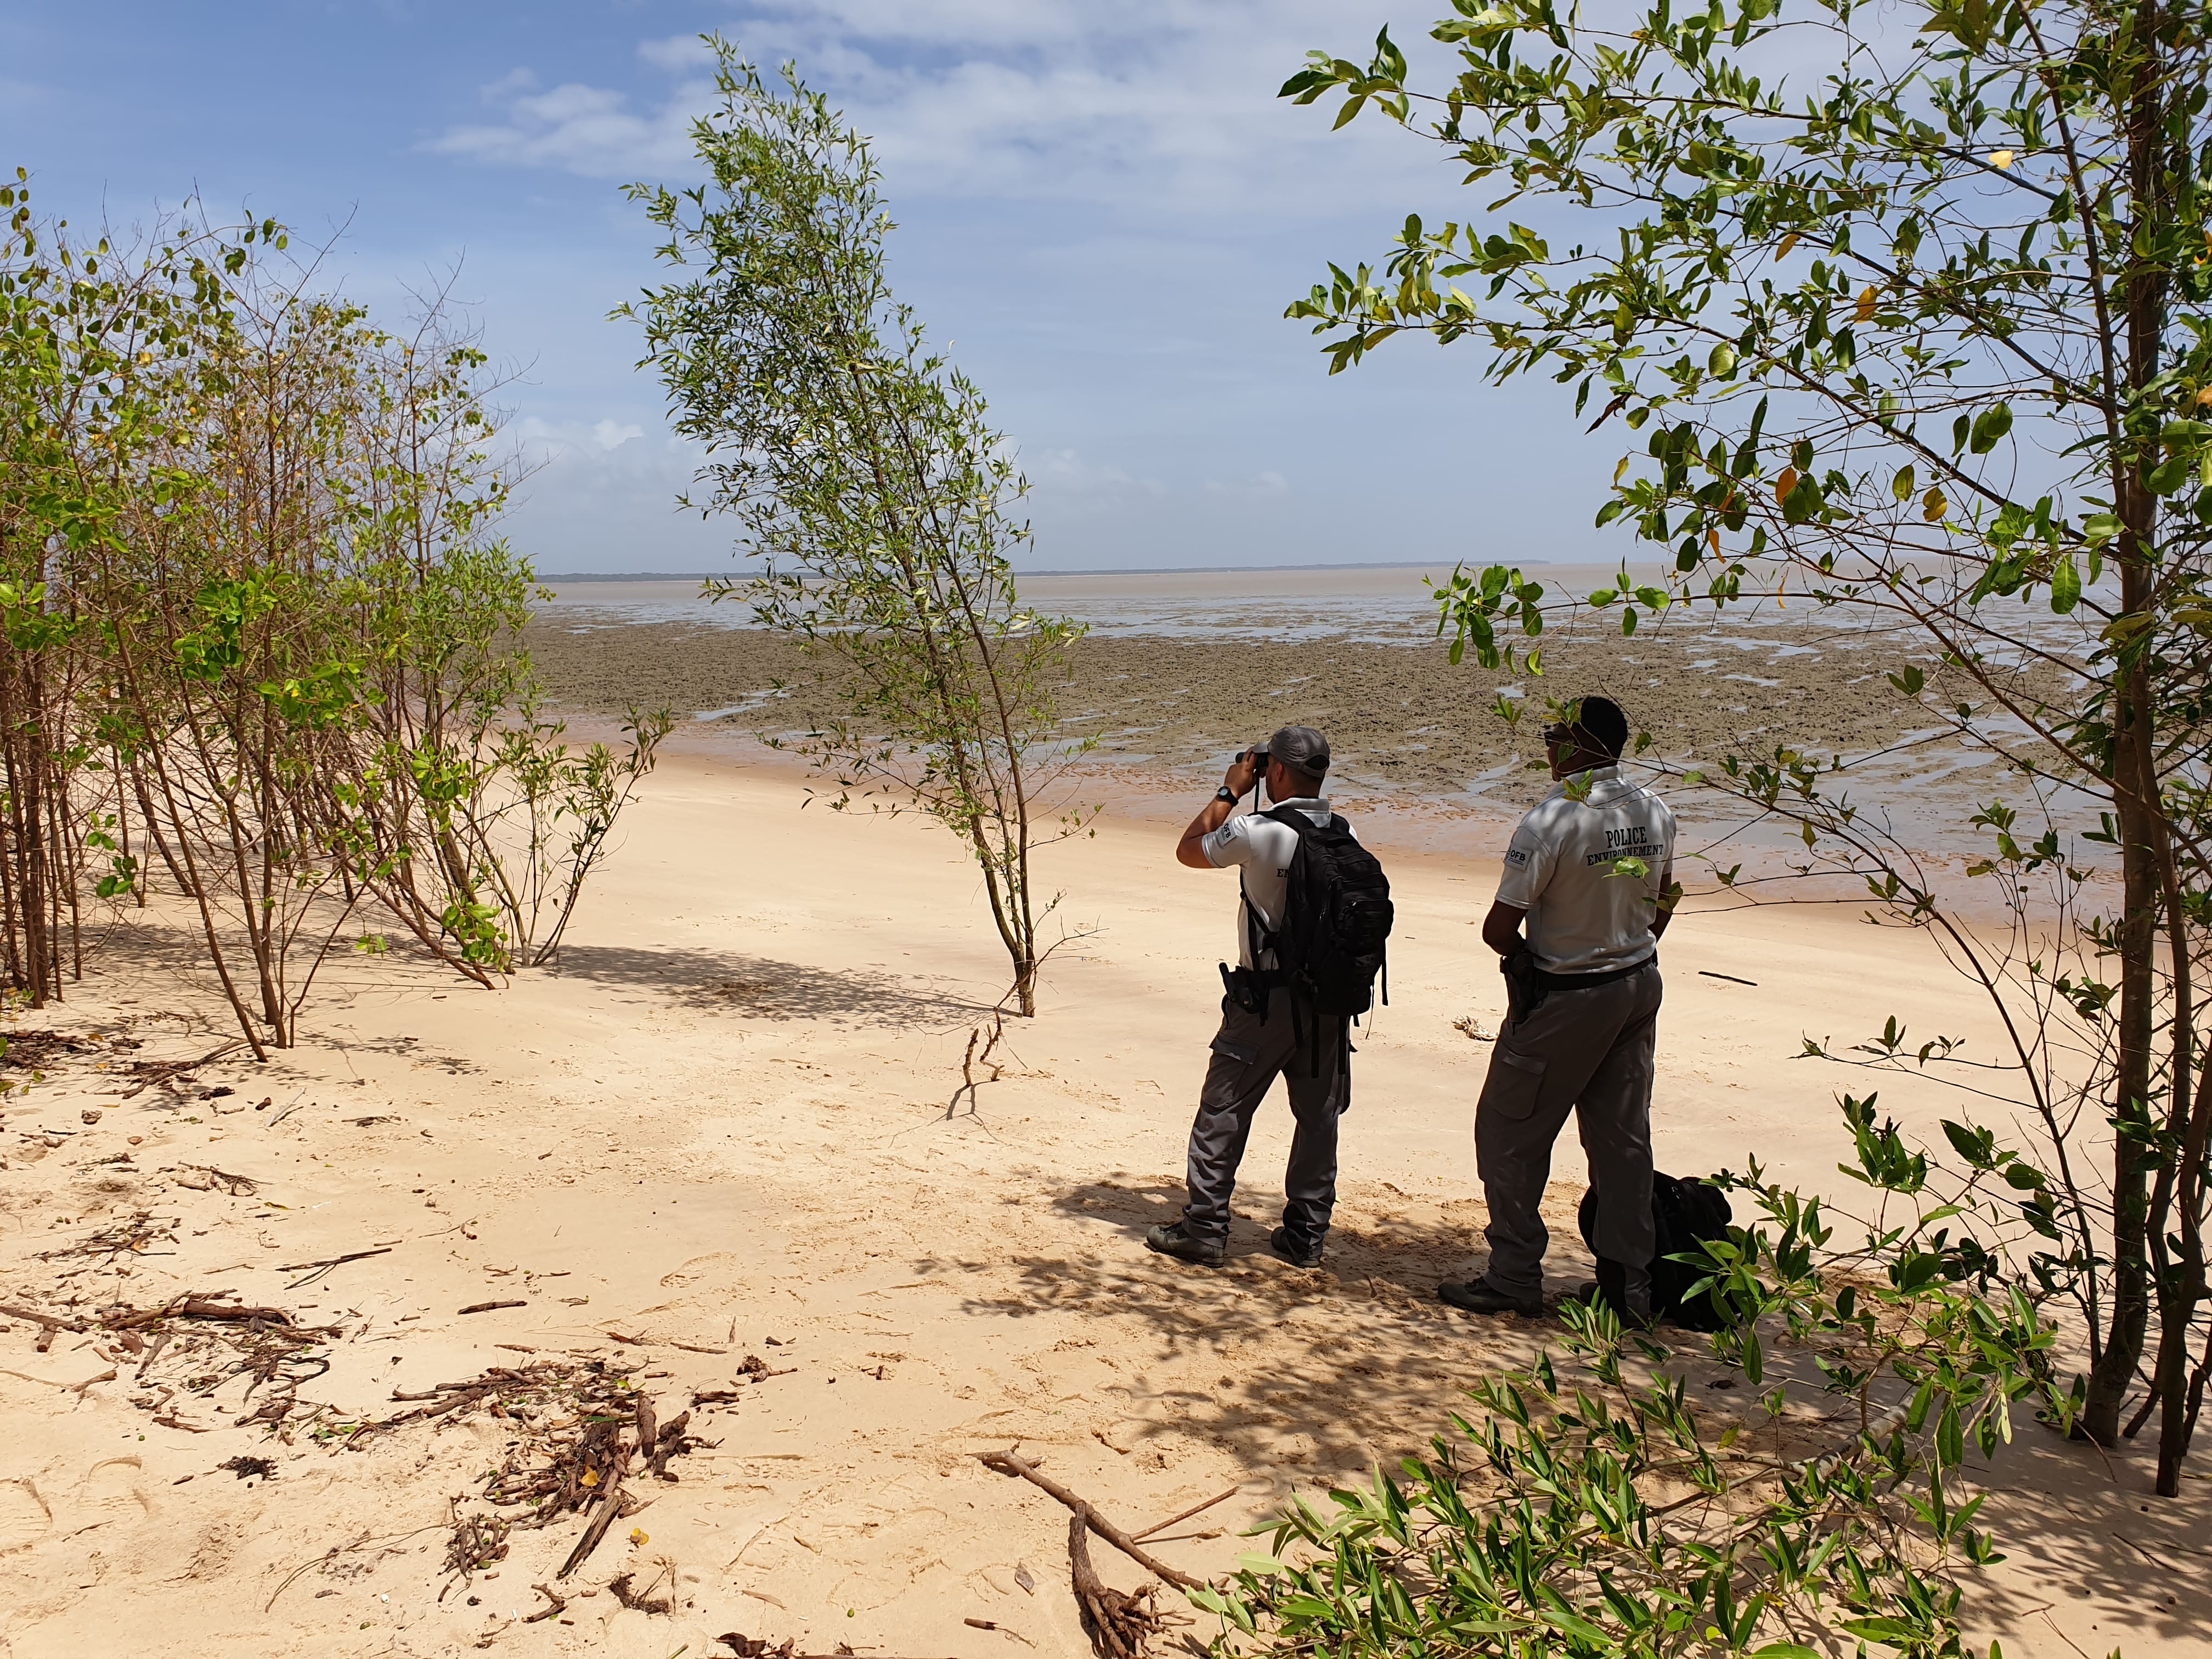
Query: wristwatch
x=1225 y=794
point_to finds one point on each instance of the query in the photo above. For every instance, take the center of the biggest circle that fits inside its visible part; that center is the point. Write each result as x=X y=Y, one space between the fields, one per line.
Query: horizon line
x=1095 y=570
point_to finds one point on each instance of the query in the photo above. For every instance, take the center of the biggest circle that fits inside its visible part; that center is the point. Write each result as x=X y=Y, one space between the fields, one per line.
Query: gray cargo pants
x=1589 y=1052
x=1249 y=1055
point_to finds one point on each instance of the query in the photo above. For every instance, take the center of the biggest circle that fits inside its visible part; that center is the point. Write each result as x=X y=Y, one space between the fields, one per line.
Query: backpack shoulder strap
x=1291 y=818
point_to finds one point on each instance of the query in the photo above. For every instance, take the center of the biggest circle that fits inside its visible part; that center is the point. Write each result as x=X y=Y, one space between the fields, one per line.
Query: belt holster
x=1248 y=989
x=1525 y=989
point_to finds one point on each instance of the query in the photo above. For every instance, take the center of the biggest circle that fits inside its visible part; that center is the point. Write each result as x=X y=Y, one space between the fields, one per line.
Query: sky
x=1103 y=209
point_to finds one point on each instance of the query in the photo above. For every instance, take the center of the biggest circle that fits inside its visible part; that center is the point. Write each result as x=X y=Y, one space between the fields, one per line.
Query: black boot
x=1176 y=1239
x=1611 y=1287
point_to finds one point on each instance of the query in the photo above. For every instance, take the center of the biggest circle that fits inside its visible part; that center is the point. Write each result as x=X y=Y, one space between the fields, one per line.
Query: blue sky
x=1103 y=208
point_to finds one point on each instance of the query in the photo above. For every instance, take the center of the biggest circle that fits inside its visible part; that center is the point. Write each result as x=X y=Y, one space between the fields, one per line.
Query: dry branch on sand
x=584 y=1431
x=206 y=1340
x=130 y=1236
x=1121 y=1625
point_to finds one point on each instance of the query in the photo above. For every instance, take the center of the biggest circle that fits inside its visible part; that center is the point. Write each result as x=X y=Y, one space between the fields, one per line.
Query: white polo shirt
x=1572 y=866
x=1263 y=850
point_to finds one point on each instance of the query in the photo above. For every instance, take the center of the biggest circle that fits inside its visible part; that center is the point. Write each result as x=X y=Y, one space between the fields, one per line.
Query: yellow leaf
x=1784 y=484
x=1866 y=304
x=1933 y=507
x=2000 y=159
x=1787 y=242
x=638 y=1535
x=2205 y=396
x=1713 y=542
x=590 y=1477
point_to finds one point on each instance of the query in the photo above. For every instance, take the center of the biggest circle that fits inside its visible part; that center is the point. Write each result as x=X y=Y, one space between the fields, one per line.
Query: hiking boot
x=1286 y=1243
x=1480 y=1296
x=1177 y=1240
x=1611 y=1287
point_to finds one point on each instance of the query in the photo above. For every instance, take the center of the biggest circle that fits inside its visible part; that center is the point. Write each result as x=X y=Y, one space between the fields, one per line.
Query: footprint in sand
x=113 y=1487
x=25 y=1516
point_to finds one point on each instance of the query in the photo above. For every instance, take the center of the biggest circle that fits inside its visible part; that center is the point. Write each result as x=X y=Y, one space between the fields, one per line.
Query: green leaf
x=2169 y=476
x=2065 y=585
x=1989 y=428
x=1891 y=1632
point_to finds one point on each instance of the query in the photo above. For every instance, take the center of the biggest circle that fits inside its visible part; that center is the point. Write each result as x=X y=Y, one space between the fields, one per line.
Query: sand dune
x=729 y=1125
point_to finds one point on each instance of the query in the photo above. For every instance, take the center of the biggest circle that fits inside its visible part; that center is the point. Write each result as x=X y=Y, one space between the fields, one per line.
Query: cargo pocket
x=1514 y=1085
x=1243 y=1053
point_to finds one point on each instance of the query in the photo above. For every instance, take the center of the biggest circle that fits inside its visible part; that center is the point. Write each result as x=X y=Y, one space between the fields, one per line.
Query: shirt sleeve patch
x=1516 y=856
x=1230 y=845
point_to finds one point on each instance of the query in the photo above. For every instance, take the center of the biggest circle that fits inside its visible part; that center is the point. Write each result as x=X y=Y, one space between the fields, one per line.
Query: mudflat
x=1404 y=720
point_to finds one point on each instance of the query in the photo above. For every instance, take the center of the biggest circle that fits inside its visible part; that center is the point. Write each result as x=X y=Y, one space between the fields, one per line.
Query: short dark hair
x=1600 y=720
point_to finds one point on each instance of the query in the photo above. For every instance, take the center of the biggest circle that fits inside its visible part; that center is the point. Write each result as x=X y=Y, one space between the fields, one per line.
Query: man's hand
x=1238 y=780
x=1240 y=775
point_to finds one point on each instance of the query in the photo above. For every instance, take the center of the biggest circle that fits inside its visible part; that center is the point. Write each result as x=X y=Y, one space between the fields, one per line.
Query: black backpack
x=1682 y=1213
x=1336 y=918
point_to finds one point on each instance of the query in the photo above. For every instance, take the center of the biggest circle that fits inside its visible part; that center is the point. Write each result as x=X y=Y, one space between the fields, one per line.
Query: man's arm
x=1190 y=850
x=1501 y=929
x=1670 y=895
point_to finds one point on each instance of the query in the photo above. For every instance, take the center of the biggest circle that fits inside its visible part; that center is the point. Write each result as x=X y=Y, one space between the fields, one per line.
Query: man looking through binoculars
x=1264 y=1032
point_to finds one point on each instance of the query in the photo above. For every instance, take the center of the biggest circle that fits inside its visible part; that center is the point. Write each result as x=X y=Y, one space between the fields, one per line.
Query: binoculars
x=1259 y=757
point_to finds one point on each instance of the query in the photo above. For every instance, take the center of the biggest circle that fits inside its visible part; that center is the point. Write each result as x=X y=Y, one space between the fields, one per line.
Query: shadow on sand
x=2095 y=1562
x=766 y=989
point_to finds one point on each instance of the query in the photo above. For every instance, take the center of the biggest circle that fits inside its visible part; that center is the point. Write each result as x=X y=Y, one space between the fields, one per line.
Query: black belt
x=1583 y=982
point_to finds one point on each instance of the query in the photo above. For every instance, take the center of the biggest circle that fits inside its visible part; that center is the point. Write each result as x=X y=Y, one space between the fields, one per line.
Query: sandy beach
x=729 y=1128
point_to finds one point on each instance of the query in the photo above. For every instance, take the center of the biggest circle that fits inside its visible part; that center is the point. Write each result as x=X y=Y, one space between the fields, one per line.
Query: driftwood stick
x=600 y=1521
x=49 y=1321
x=560 y=1605
x=1007 y=1463
x=315 y=1270
x=162 y=1073
x=1196 y=1509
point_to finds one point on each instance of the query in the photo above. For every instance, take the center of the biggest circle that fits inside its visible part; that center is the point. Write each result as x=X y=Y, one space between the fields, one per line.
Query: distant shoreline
x=1101 y=570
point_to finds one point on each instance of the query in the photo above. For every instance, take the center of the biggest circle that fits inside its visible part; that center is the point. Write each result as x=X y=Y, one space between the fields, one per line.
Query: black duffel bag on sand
x=1683 y=1212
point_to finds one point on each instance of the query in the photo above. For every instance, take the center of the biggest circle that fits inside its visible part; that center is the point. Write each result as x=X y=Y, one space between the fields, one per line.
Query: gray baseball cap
x=1302 y=748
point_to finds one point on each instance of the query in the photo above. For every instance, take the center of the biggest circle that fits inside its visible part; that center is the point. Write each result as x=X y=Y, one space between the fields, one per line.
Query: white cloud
x=679 y=54
x=1152 y=106
x=1269 y=483
x=575 y=128
x=601 y=496
x=1057 y=475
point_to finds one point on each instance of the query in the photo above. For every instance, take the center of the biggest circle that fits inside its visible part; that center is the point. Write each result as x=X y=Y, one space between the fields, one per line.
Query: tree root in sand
x=1120 y=1625
x=1007 y=1463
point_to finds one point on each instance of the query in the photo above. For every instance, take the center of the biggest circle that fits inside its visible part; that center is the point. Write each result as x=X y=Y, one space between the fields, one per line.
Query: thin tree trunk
x=2136 y=790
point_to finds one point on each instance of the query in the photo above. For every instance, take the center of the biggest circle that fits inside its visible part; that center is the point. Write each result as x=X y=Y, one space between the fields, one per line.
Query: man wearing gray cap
x=1263 y=1034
